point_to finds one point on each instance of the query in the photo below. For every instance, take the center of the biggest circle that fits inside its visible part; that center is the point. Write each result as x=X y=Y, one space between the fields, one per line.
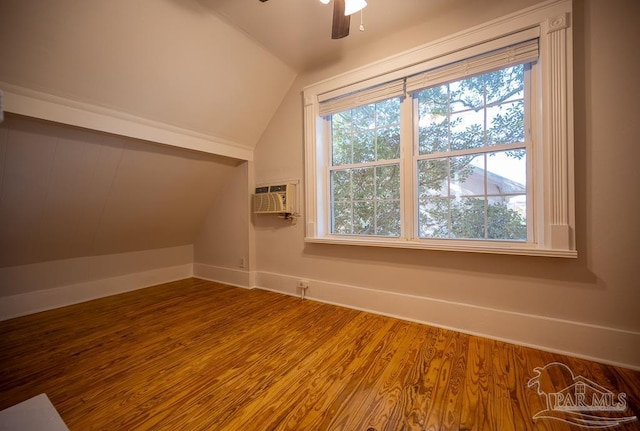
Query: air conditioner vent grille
x=275 y=199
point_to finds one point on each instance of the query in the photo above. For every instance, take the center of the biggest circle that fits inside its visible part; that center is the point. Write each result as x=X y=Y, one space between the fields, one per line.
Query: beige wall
x=601 y=287
x=222 y=246
x=90 y=210
x=30 y=288
x=69 y=193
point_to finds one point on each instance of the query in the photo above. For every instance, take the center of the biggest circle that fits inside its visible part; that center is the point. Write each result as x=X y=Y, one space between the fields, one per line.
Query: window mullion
x=486 y=177
x=473 y=151
x=324 y=189
x=534 y=205
x=408 y=177
x=365 y=164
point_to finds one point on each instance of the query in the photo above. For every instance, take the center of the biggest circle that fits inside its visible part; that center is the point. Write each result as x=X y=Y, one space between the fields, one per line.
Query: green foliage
x=505 y=223
x=367 y=133
x=473 y=113
x=366 y=201
x=464 y=218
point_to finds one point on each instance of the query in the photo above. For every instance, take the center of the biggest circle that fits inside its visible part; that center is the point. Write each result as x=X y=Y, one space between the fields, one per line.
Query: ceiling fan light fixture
x=325 y=1
x=353 y=6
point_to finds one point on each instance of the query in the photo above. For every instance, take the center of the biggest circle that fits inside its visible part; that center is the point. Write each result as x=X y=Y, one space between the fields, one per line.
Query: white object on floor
x=34 y=414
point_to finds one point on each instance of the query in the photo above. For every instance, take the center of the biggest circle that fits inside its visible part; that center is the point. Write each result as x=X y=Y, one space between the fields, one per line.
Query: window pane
x=433 y=119
x=366 y=201
x=363 y=218
x=506 y=123
x=467 y=94
x=467 y=175
x=486 y=196
x=467 y=130
x=366 y=133
x=341 y=185
x=388 y=143
x=388 y=182
x=481 y=195
x=341 y=138
x=433 y=101
x=363 y=183
x=341 y=122
x=505 y=84
x=364 y=117
x=507 y=172
x=468 y=218
x=507 y=218
x=364 y=147
x=472 y=113
x=388 y=218
x=341 y=218
x=433 y=177
x=433 y=134
x=388 y=112
x=433 y=218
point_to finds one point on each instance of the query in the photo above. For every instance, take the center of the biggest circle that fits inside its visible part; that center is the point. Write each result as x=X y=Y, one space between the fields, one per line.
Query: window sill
x=447 y=245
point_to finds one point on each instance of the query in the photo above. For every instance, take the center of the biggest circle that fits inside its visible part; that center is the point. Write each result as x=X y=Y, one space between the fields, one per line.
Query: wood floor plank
x=198 y=355
x=418 y=389
x=508 y=399
x=366 y=331
x=269 y=362
x=443 y=411
x=379 y=385
x=475 y=403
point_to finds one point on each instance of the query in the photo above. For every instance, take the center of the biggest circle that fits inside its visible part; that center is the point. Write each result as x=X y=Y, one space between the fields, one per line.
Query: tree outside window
x=470 y=161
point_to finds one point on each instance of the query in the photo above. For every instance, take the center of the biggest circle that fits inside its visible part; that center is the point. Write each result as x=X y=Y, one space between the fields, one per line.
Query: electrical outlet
x=243 y=262
x=303 y=284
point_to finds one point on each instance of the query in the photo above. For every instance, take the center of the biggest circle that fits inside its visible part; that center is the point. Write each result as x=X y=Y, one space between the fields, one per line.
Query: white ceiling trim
x=31 y=103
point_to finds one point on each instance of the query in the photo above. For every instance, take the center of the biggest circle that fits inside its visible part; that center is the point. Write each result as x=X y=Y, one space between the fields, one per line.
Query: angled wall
x=78 y=206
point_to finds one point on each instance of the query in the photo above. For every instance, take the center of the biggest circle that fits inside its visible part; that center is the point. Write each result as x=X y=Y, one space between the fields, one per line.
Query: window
x=365 y=170
x=463 y=144
x=471 y=157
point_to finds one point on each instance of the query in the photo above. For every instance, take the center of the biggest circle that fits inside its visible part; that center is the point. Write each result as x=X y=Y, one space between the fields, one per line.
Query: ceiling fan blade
x=263 y=1
x=340 y=27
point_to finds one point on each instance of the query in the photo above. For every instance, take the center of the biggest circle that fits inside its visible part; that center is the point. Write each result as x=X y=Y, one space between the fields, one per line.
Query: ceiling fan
x=342 y=11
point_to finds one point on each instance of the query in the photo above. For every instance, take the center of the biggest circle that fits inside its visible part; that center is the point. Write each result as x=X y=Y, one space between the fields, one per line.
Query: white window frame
x=552 y=176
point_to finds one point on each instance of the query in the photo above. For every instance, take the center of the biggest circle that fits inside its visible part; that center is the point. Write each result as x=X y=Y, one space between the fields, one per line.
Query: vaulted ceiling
x=299 y=31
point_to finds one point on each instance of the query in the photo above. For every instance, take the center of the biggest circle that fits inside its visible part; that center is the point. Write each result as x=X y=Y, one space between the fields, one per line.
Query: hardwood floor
x=196 y=355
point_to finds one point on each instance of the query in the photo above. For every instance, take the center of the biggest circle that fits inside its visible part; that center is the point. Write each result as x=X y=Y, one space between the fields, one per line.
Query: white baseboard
x=597 y=343
x=41 y=300
x=233 y=277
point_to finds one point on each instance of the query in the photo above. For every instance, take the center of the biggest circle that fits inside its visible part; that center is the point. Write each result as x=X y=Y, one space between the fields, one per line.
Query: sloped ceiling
x=170 y=61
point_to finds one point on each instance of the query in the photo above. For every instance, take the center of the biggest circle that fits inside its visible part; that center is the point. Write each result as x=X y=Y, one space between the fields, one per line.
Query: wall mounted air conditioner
x=276 y=199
